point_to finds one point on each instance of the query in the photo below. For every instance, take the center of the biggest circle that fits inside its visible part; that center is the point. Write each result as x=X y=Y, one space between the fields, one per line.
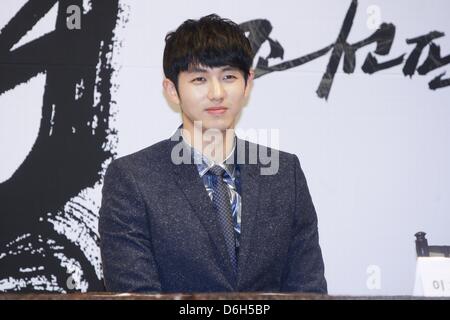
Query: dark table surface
x=199 y=296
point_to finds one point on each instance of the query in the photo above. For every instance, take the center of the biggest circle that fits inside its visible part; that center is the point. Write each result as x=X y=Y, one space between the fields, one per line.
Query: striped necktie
x=221 y=202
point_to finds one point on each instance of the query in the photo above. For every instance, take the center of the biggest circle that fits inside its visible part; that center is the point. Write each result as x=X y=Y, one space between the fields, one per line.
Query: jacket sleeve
x=304 y=271
x=125 y=239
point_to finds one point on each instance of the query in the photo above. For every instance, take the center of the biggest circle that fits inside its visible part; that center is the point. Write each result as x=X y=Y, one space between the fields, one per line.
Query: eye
x=198 y=80
x=230 y=77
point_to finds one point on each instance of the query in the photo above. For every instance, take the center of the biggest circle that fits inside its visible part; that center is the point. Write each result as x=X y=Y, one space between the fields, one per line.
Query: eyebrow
x=198 y=69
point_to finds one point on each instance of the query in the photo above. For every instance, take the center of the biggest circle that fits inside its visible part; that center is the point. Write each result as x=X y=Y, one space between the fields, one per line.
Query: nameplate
x=432 y=277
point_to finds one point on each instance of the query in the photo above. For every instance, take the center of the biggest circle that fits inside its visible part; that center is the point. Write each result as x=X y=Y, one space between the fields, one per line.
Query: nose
x=216 y=90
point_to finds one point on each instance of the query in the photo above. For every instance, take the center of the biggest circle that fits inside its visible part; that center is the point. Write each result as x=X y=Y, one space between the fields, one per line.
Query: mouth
x=216 y=110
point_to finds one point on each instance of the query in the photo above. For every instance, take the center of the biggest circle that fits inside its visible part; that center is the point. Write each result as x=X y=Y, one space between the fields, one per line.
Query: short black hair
x=211 y=41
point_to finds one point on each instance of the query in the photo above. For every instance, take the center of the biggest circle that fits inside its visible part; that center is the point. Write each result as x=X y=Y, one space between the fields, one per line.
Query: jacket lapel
x=250 y=207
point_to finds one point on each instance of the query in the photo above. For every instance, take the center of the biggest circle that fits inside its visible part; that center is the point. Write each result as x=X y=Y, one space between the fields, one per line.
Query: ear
x=171 y=91
x=248 y=87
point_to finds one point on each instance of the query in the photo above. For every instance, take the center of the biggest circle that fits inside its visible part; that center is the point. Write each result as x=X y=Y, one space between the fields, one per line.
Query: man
x=197 y=212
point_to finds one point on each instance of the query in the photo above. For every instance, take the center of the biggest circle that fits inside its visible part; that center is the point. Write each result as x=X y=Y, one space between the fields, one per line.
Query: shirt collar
x=204 y=163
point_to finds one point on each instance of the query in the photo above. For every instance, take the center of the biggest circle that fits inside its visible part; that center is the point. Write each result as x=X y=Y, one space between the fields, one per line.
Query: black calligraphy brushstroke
x=69 y=150
x=338 y=49
x=30 y=13
x=12 y=72
x=438 y=82
x=421 y=42
x=434 y=60
x=259 y=31
x=276 y=50
x=384 y=38
x=262 y=68
x=371 y=64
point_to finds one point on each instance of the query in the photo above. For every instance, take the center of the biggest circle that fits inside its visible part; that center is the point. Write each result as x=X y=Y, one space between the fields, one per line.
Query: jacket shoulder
x=150 y=156
x=264 y=154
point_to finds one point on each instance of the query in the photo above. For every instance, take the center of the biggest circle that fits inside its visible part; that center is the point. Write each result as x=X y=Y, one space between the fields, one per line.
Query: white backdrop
x=376 y=154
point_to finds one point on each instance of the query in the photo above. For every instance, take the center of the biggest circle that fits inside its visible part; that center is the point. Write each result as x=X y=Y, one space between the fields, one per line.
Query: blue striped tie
x=221 y=202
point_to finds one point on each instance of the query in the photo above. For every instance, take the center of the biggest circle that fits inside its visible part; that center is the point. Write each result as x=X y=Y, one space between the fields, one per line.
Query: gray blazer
x=159 y=233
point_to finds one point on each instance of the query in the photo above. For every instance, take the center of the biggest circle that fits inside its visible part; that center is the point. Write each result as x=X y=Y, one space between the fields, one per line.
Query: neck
x=215 y=144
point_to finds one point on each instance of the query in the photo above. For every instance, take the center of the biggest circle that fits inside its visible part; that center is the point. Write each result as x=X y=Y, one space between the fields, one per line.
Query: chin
x=218 y=125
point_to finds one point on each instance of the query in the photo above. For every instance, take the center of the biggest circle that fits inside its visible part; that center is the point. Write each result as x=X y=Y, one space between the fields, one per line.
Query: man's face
x=214 y=96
